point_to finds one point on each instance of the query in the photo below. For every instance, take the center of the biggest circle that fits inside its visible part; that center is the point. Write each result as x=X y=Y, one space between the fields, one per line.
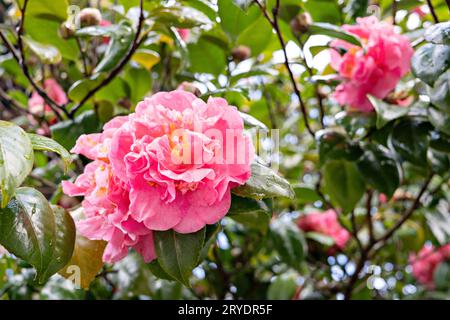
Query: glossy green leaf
x=48 y=54
x=320 y=238
x=119 y=45
x=440 y=93
x=387 y=112
x=257 y=36
x=344 y=184
x=180 y=16
x=324 y=10
x=334 y=145
x=251 y=121
x=289 y=242
x=282 y=288
x=441 y=276
x=67 y=132
x=439 y=119
x=206 y=57
x=334 y=32
x=379 y=168
x=16 y=159
x=305 y=194
x=438 y=161
x=36 y=233
x=264 y=183
x=178 y=254
x=438 y=33
x=249 y=212
x=46 y=144
x=233 y=19
x=410 y=141
x=430 y=61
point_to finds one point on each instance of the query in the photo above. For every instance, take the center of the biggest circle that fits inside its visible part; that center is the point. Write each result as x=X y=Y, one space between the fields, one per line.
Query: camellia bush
x=224 y=149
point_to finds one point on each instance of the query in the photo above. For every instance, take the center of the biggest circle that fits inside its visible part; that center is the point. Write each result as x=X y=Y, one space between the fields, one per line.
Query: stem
x=83 y=57
x=433 y=13
x=276 y=27
x=119 y=67
x=394 y=11
x=368 y=214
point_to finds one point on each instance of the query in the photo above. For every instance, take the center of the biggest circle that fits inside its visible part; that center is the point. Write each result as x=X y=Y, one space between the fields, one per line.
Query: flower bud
x=241 y=53
x=90 y=17
x=190 y=87
x=300 y=24
x=66 y=31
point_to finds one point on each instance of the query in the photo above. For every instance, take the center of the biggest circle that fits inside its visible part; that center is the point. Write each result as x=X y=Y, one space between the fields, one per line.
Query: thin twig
x=433 y=13
x=369 y=215
x=83 y=57
x=119 y=67
x=276 y=27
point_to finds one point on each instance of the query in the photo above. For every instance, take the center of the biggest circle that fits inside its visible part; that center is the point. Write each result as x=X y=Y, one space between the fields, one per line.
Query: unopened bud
x=190 y=87
x=90 y=17
x=241 y=53
x=300 y=24
x=66 y=31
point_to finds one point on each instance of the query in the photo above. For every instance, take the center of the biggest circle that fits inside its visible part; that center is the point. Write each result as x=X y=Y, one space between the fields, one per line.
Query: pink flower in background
x=105 y=23
x=37 y=105
x=184 y=34
x=169 y=165
x=326 y=223
x=375 y=69
x=426 y=262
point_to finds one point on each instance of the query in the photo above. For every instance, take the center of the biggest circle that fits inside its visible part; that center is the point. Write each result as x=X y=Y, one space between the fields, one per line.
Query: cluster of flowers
x=325 y=223
x=425 y=263
x=373 y=69
x=162 y=167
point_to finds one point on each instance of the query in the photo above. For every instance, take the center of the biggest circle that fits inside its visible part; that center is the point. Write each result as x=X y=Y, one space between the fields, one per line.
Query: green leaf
x=16 y=159
x=438 y=33
x=440 y=120
x=140 y=83
x=67 y=132
x=344 y=184
x=249 y=212
x=98 y=31
x=282 y=288
x=289 y=242
x=243 y=4
x=438 y=161
x=251 y=121
x=49 y=9
x=257 y=36
x=441 y=276
x=324 y=240
x=180 y=16
x=334 y=145
x=159 y=272
x=334 y=32
x=410 y=141
x=233 y=19
x=387 y=112
x=324 y=10
x=119 y=45
x=36 y=233
x=48 y=54
x=178 y=254
x=356 y=8
x=379 y=168
x=81 y=88
x=264 y=183
x=305 y=194
x=206 y=57
x=46 y=144
x=440 y=93
x=86 y=260
x=430 y=61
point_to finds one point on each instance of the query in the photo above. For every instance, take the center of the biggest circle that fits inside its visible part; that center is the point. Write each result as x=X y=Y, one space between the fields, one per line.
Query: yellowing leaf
x=86 y=260
x=146 y=58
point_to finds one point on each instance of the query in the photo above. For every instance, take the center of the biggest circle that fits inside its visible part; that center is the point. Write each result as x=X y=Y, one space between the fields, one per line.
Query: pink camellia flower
x=169 y=165
x=184 y=34
x=326 y=223
x=426 y=262
x=375 y=69
x=105 y=23
x=37 y=105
